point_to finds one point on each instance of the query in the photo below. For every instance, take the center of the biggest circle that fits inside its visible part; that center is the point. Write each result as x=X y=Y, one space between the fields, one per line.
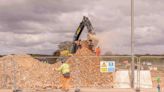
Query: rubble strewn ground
x=31 y=73
x=89 y=71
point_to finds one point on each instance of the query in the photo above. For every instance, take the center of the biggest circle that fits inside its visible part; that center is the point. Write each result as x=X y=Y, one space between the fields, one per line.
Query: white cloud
x=38 y=26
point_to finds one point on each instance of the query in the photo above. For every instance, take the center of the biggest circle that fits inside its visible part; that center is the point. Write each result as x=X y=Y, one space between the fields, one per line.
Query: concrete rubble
x=28 y=72
x=31 y=73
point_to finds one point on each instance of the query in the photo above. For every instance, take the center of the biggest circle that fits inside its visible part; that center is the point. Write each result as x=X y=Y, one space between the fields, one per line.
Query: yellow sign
x=103 y=66
x=103 y=69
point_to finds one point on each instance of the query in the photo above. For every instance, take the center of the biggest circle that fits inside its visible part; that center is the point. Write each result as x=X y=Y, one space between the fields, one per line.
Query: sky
x=38 y=26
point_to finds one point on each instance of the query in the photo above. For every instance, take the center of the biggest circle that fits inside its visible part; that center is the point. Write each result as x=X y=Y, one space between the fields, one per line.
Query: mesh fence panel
x=39 y=74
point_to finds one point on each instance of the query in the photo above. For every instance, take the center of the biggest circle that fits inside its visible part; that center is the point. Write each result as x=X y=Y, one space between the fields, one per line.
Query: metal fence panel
x=32 y=74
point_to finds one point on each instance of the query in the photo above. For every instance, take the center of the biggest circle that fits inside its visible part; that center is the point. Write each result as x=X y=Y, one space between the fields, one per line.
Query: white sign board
x=107 y=66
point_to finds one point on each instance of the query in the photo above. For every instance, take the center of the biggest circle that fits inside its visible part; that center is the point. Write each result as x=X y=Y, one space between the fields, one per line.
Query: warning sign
x=111 y=66
x=107 y=66
x=104 y=69
x=103 y=66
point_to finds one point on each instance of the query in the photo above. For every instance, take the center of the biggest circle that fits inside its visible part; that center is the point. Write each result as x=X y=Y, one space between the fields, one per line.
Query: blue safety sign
x=111 y=66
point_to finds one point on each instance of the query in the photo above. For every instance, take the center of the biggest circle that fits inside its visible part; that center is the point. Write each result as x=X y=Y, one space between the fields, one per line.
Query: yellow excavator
x=91 y=36
x=85 y=23
x=63 y=53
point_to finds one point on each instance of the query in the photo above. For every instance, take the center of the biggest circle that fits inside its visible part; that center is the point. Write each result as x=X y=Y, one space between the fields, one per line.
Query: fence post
x=138 y=75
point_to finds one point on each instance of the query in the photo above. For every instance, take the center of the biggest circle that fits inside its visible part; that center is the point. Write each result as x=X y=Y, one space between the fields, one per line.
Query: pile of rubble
x=85 y=68
x=28 y=72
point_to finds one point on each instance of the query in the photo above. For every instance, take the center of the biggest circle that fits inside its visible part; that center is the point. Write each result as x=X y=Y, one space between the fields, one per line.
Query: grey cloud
x=31 y=42
x=42 y=12
x=149 y=49
x=150 y=36
x=38 y=26
x=148 y=7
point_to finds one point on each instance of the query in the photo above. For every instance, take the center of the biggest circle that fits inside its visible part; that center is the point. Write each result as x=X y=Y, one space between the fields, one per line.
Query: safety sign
x=107 y=66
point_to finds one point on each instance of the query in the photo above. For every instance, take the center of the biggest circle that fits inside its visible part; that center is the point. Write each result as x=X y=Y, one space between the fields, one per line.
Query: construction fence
x=26 y=72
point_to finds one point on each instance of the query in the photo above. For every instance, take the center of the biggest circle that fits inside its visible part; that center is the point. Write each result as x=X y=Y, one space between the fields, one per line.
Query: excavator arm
x=85 y=22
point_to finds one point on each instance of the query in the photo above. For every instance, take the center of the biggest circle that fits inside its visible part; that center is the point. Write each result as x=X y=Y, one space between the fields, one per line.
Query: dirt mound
x=31 y=73
x=85 y=66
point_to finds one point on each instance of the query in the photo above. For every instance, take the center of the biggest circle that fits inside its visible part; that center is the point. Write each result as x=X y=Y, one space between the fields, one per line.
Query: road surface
x=86 y=90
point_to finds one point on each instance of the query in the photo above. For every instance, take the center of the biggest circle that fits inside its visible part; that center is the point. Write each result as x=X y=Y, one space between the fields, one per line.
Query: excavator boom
x=85 y=22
